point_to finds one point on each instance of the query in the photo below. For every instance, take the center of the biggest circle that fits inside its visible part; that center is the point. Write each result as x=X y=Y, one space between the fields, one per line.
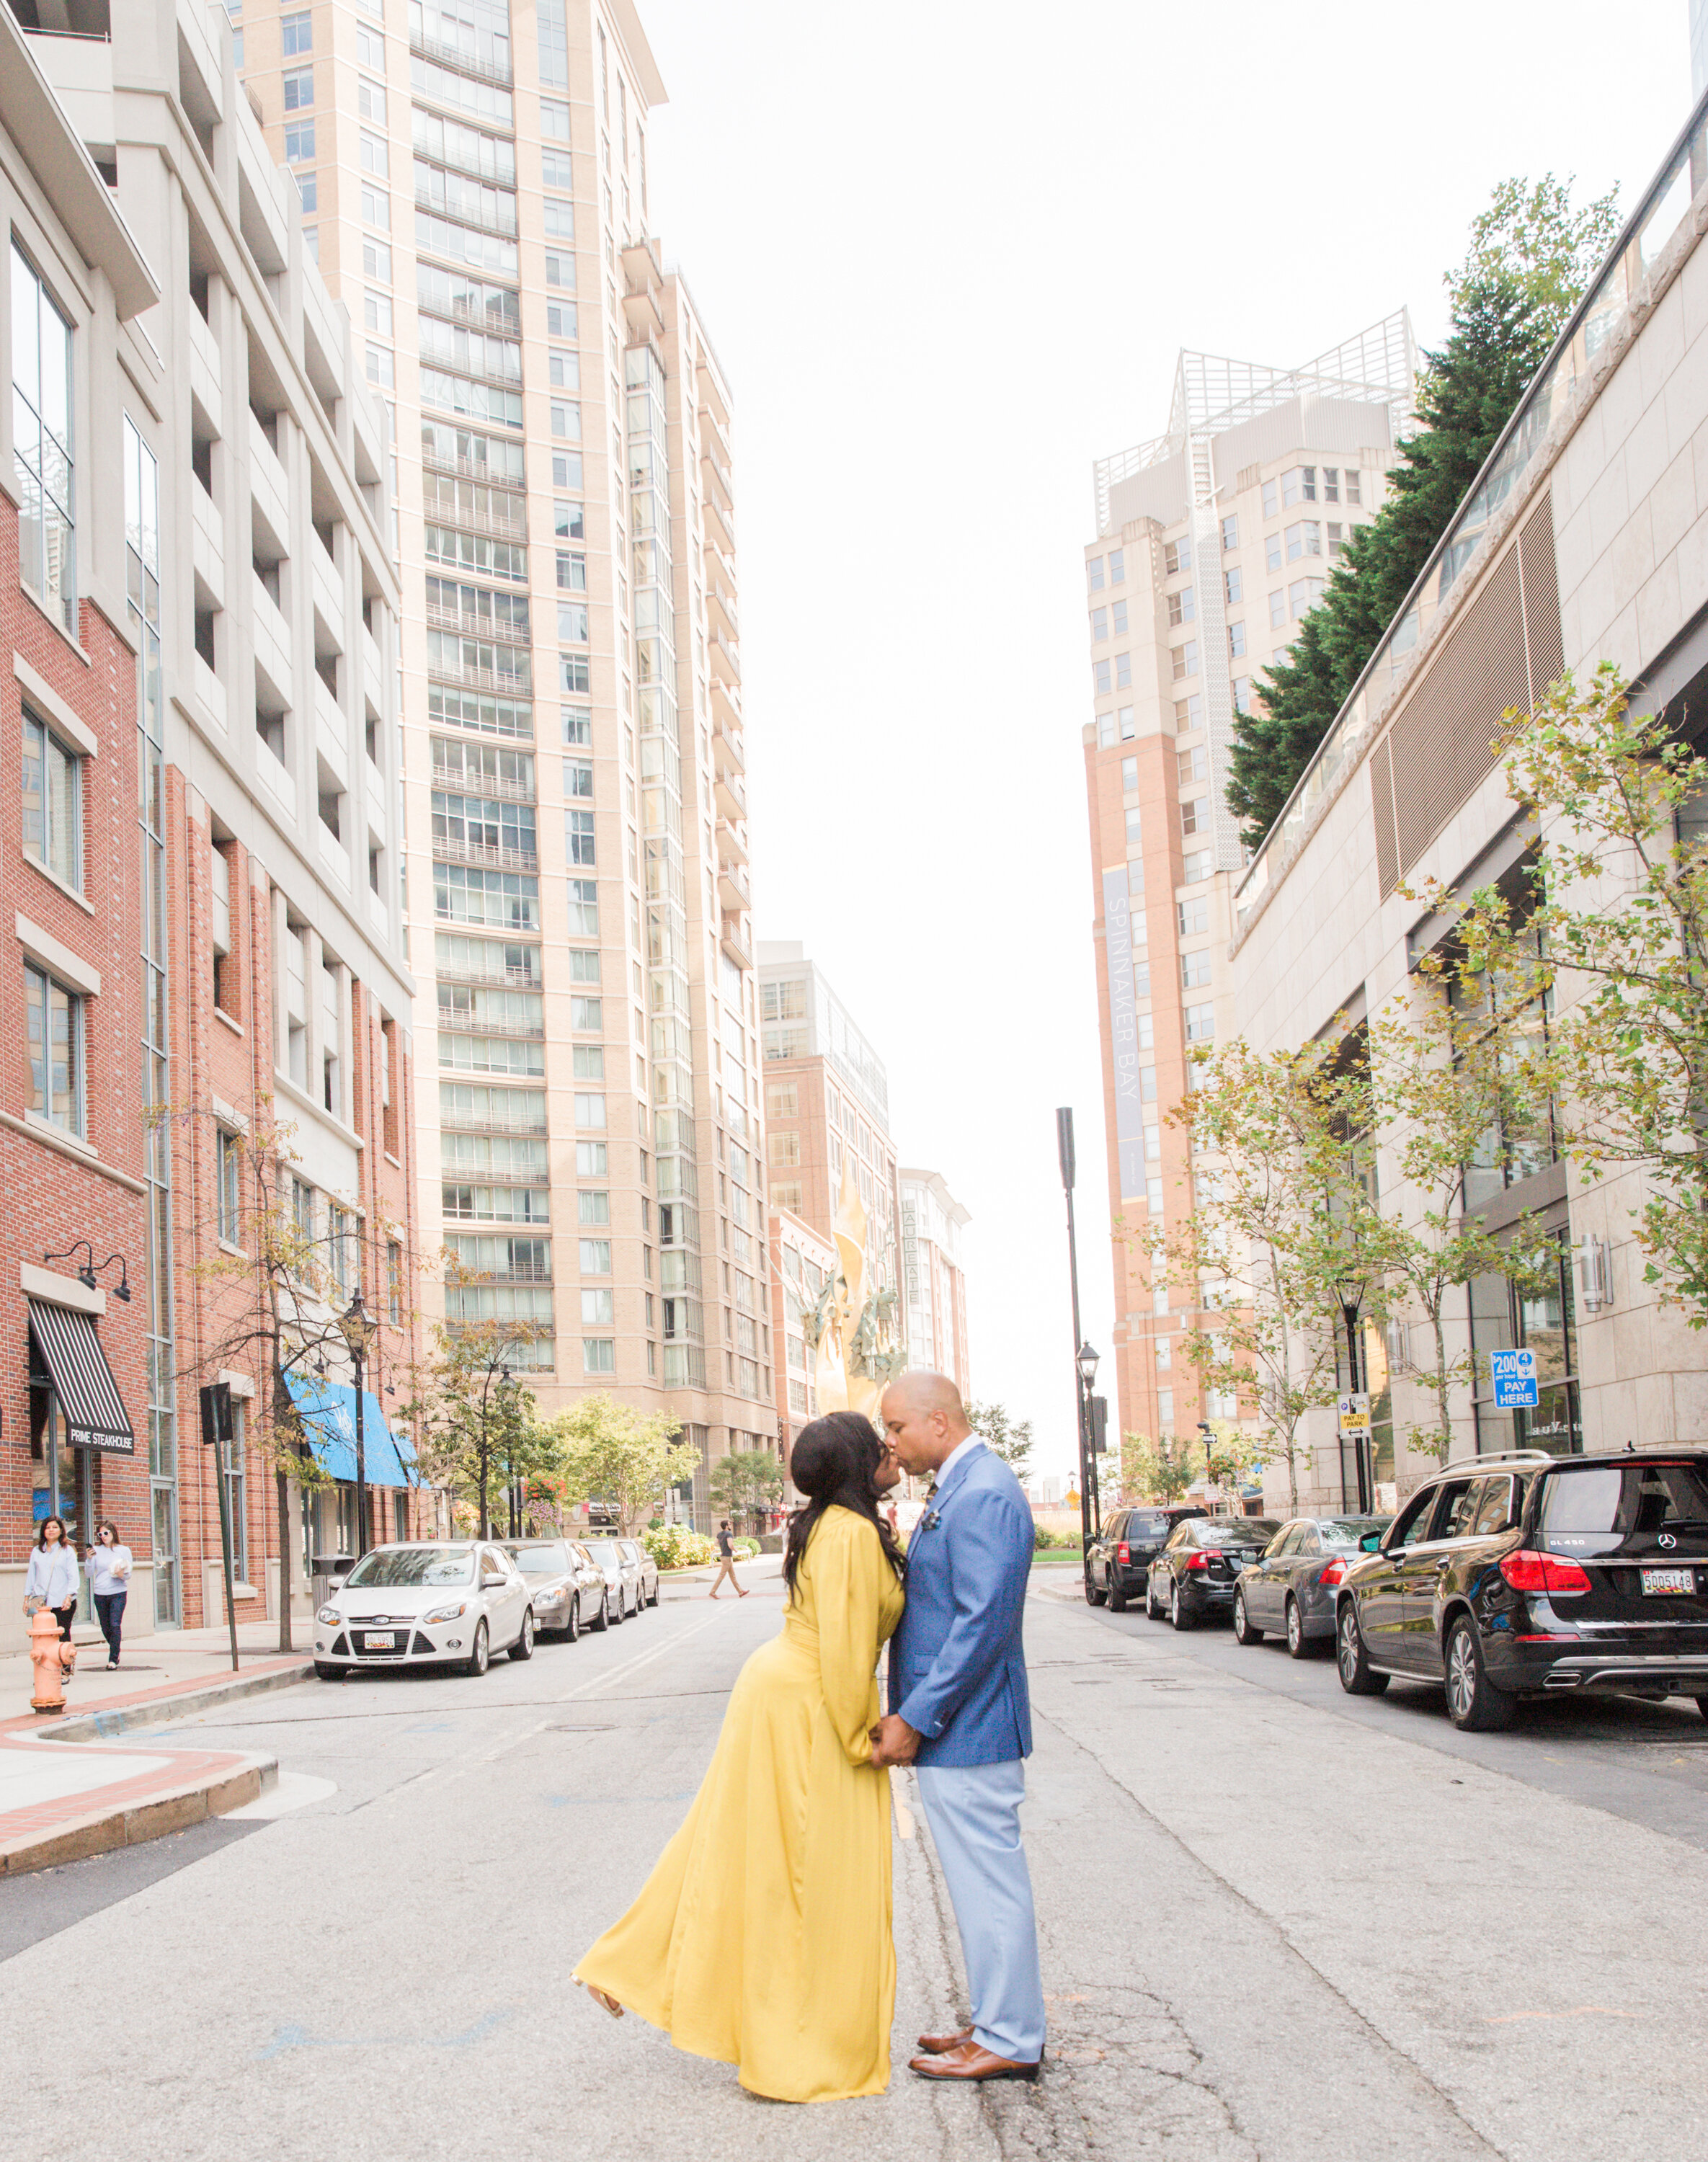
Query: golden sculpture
x=852 y=1327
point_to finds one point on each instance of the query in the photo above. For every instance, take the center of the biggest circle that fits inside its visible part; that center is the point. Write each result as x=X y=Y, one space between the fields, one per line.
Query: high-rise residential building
x=559 y=481
x=827 y=1109
x=934 y=1277
x=802 y=1264
x=199 y=868
x=1213 y=541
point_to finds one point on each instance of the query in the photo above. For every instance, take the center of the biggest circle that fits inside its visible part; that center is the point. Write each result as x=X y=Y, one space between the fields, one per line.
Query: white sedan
x=454 y=1602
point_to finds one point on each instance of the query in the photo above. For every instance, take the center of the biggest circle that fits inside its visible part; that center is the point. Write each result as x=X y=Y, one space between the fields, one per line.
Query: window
x=1236 y=641
x=1128 y=776
x=1271 y=551
x=54 y=1026
x=1094 y=574
x=586 y=1016
x=554 y=119
x=1117 y=566
x=296 y=34
x=590 y=1112
x=1118 y=616
x=1339 y=536
x=42 y=445
x=1194 y=918
x=375 y=159
x=1189 y=712
x=370 y=48
x=233 y=1450
x=1183 y=607
x=1230 y=532
x=229 y=1196
x=376 y=208
x=1099 y=625
x=1331 y=483
x=1242 y=694
x=1194 y=969
x=1304 y=539
x=1194 y=815
x=783 y=1099
x=1277 y=610
x=1349 y=481
x=1100 y=678
x=1299 y=486
x=1272 y=499
x=1196 y=868
x=370 y=101
x=308 y=191
x=1192 y=765
x=783 y=1151
x=1233 y=585
x=589 y=1061
x=1133 y=832
x=376 y=260
x=598 y=1355
x=1302 y=596
x=382 y=368
x=1123 y=672
x=1177 y=557
x=299 y=142
x=376 y=313
x=299 y=88
x=53 y=802
x=1154 y=1196
x=578 y=837
x=577 y=777
x=1147 y=1042
x=1185 y=658
x=394 y=1282
x=584 y=907
x=568 y=522
x=1200 y=1024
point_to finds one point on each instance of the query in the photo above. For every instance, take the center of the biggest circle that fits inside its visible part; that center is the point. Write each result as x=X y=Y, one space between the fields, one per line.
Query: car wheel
x=602 y=1622
x=657 y=1590
x=1176 y=1613
x=1117 y=1597
x=571 y=1629
x=523 y=1649
x=328 y=1672
x=1094 y=1597
x=1297 y=1644
x=1152 y=1614
x=1473 y=1701
x=1243 y=1630
x=478 y=1658
x=619 y=1613
x=1358 y=1678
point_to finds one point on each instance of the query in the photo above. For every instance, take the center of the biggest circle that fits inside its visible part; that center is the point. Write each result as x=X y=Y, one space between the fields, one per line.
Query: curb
x=160 y=1711
x=101 y=1831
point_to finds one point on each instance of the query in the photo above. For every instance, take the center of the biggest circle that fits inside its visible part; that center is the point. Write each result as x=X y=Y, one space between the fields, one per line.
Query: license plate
x=379 y=1640
x=1667 y=1580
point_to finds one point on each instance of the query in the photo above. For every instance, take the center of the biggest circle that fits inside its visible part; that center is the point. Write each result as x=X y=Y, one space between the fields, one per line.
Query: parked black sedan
x=1529 y=1575
x=1118 y=1558
x=1194 y=1575
x=1291 y=1589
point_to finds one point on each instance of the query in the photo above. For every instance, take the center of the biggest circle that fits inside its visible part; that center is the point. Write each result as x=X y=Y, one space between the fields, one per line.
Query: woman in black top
x=726 y=1565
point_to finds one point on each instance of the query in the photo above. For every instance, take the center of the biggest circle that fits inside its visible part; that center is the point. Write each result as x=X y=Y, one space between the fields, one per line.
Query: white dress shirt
x=961 y=1449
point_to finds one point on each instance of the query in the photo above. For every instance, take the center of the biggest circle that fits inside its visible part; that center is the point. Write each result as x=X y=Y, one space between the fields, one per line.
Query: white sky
x=948 y=254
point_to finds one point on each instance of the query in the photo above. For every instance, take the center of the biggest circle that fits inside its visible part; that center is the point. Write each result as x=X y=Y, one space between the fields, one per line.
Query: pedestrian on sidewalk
x=726 y=1565
x=51 y=1579
x=109 y=1567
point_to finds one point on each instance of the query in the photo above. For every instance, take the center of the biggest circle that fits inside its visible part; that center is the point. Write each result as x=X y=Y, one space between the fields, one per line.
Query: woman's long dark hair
x=834 y=1463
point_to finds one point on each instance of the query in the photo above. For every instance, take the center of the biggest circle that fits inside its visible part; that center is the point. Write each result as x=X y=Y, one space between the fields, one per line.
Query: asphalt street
x=1276 y=1922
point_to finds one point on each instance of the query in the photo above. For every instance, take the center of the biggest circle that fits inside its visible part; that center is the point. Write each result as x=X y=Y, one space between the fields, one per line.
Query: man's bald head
x=925 y=1419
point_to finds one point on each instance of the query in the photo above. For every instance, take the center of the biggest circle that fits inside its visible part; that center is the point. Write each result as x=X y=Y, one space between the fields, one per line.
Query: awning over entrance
x=328 y=1411
x=94 y=1411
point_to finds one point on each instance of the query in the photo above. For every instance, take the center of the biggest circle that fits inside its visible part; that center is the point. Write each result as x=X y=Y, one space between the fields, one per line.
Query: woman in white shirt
x=109 y=1567
x=51 y=1579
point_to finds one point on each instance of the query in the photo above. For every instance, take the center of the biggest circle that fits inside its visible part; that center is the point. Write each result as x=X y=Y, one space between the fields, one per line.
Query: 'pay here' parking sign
x=1515 y=1381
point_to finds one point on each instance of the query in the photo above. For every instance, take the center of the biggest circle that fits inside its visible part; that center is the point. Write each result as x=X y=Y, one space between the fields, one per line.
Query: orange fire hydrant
x=52 y=1658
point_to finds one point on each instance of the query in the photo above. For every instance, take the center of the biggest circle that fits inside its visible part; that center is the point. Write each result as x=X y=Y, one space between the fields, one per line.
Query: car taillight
x=1123 y=1553
x=1527 y=1570
x=1335 y=1572
x=1198 y=1561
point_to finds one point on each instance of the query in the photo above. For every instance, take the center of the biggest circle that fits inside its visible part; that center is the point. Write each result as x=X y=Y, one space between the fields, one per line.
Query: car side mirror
x=1371 y=1542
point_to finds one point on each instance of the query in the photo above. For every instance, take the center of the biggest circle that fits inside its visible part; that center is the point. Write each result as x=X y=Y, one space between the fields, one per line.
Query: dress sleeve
x=847 y=1591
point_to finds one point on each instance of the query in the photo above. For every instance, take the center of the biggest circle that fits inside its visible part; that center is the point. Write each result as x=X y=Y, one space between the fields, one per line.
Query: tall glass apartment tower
x=576 y=880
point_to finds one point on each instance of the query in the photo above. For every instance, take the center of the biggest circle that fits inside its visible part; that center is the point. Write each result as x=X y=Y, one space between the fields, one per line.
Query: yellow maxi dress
x=762 y=1937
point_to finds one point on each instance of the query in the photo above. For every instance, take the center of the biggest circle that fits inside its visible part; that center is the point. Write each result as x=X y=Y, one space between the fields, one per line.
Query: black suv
x=1118 y=1558
x=1524 y=1574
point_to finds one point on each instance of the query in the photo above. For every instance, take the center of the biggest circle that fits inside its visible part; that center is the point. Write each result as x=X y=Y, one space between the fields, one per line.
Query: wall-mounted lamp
x=1595 y=1259
x=87 y=1273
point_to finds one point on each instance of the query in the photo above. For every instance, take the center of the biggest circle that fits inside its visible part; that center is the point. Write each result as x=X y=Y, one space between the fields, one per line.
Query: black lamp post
x=1351 y=1294
x=1083 y=1353
x=358 y=1326
x=1085 y=1359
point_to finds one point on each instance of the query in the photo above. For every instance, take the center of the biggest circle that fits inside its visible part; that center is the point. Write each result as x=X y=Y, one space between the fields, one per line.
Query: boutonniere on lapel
x=932 y=1520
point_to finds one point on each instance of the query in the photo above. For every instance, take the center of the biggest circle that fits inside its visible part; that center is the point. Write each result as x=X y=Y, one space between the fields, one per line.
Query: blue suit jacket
x=957 y=1666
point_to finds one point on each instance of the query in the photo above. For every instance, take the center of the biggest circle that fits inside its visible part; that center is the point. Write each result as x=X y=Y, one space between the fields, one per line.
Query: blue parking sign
x=1515 y=1381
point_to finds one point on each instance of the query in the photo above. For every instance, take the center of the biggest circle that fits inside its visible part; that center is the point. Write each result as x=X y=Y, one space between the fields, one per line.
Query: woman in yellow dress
x=762 y=1937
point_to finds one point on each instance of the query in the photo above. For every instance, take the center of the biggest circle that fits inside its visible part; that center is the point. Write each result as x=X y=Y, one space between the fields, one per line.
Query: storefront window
x=1503 y=1318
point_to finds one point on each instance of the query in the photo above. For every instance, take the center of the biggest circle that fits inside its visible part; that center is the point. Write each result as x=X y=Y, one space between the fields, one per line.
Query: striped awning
x=89 y=1398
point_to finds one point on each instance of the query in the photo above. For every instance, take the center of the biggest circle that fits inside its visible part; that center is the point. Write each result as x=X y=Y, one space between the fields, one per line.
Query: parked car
x=1194 y=1575
x=568 y=1591
x=1525 y=1575
x=1291 y=1587
x=622 y=1575
x=635 y=1552
x=451 y=1602
x=1118 y=1559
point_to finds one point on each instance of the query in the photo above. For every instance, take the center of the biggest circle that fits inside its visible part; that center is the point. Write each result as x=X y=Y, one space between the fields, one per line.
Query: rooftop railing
x=1541 y=414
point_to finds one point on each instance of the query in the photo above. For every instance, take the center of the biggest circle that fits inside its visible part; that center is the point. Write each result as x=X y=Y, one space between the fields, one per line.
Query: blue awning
x=328 y=1411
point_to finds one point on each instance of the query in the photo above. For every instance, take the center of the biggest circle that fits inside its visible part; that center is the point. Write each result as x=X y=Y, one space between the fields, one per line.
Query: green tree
x=616 y=1454
x=1010 y=1439
x=746 y=1482
x=1629 y=1052
x=1153 y=1472
x=475 y=1423
x=1530 y=257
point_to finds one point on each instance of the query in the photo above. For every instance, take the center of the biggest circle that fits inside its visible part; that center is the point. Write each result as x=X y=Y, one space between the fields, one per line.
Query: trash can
x=329 y=1572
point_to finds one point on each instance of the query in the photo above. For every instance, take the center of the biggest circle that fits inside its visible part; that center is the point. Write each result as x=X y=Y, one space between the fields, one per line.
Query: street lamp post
x=1088 y=1515
x=1351 y=1300
x=1085 y=1361
x=358 y=1326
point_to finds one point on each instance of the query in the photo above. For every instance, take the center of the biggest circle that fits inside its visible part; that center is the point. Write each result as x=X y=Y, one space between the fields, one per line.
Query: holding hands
x=894 y=1742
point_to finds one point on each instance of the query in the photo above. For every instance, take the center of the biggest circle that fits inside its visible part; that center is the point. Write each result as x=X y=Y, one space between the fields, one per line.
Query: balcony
x=720 y=607
x=719 y=484
x=731 y=791
x=712 y=429
x=499 y=222
x=719 y=569
x=267 y=481
x=732 y=842
x=207 y=547
x=485 y=859
x=506 y=525
x=480 y=784
x=430 y=48
x=461 y=1024
x=523 y=979
x=720 y=521
x=328 y=582
x=205 y=373
x=726 y=703
x=473 y=1122
x=725 y=661
x=475 y=626
x=272 y=637
x=519 y=1272
x=711 y=395
x=468 y=676
x=643 y=315
x=735 y=941
x=729 y=742
x=733 y=887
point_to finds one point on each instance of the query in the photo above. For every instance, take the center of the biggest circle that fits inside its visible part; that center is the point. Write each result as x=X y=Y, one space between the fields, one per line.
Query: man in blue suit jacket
x=960 y=1713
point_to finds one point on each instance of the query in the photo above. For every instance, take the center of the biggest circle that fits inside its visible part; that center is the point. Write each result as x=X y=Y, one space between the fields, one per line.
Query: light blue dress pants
x=974 y=1812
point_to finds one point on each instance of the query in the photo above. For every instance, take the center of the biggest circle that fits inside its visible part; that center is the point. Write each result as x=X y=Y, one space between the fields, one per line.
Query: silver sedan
x=649 y=1570
x=622 y=1575
x=568 y=1590
x=1290 y=1588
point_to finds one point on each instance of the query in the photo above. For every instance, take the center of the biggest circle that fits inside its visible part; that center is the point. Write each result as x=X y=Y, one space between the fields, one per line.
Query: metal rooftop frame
x=1213 y=393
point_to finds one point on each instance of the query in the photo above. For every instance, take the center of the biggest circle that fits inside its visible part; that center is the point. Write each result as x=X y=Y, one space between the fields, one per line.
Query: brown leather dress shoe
x=939 y=2045
x=967 y=2060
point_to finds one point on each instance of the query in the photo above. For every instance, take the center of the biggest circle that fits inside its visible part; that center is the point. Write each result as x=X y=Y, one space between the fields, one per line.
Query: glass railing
x=1598 y=318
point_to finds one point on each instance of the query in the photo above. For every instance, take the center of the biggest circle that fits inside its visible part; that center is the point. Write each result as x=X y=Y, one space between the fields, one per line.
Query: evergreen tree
x=1530 y=257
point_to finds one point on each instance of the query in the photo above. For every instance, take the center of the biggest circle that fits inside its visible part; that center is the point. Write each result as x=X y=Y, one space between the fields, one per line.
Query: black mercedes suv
x=1118 y=1558
x=1524 y=1574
